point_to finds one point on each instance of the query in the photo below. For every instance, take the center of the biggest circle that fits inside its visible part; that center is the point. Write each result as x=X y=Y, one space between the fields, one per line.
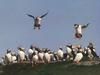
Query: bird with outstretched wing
x=85 y=26
x=43 y=15
x=37 y=20
x=31 y=16
x=78 y=30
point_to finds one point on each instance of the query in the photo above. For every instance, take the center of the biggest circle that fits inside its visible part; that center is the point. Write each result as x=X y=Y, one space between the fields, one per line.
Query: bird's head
x=21 y=48
x=60 y=48
x=76 y=25
x=8 y=51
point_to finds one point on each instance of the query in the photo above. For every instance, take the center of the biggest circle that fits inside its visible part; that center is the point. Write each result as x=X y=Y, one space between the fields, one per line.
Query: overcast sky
x=16 y=28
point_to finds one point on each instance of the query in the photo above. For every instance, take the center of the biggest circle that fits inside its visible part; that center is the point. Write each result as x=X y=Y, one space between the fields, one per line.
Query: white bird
x=37 y=20
x=78 y=56
x=41 y=55
x=69 y=49
x=52 y=56
x=78 y=30
x=90 y=55
x=35 y=58
x=47 y=57
x=70 y=52
x=21 y=55
x=14 y=58
x=3 y=60
x=60 y=54
x=30 y=52
x=93 y=51
x=8 y=57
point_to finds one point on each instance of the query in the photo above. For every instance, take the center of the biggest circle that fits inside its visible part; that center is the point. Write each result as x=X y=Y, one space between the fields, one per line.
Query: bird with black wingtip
x=37 y=20
x=78 y=30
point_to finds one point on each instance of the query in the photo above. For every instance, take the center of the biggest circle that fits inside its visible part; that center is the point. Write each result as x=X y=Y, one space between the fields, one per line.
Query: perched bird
x=79 y=56
x=35 y=58
x=60 y=54
x=90 y=55
x=8 y=57
x=91 y=46
x=41 y=55
x=70 y=52
x=3 y=60
x=78 y=30
x=21 y=55
x=47 y=56
x=30 y=52
x=37 y=20
x=14 y=58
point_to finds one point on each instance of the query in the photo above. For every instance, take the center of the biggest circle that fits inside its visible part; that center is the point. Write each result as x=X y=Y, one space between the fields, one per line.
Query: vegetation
x=60 y=68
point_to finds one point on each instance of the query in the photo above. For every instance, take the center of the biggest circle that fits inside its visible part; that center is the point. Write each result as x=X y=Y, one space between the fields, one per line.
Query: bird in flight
x=78 y=30
x=37 y=20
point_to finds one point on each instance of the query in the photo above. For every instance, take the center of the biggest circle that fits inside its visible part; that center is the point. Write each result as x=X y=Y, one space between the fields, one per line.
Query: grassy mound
x=61 y=68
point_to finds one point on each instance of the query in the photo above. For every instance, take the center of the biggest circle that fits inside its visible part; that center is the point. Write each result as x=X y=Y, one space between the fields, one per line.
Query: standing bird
x=14 y=58
x=70 y=52
x=41 y=55
x=37 y=20
x=79 y=56
x=47 y=56
x=30 y=52
x=35 y=59
x=8 y=57
x=60 y=54
x=78 y=30
x=21 y=55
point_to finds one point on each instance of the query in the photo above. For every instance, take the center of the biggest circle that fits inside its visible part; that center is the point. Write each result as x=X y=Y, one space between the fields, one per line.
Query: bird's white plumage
x=79 y=29
x=21 y=55
x=41 y=55
x=89 y=50
x=90 y=55
x=47 y=57
x=60 y=53
x=8 y=57
x=30 y=51
x=14 y=58
x=69 y=50
x=37 y=20
x=35 y=59
x=78 y=57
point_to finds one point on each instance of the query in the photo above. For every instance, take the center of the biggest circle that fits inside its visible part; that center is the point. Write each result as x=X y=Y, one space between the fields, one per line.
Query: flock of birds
x=36 y=55
x=74 y=53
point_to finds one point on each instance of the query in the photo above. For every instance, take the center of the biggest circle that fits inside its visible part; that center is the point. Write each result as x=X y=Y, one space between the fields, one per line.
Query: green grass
x=61 y=68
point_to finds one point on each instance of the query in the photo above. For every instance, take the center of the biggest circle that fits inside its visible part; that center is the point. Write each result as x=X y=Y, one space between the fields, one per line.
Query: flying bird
x=37 y=20
x=78 y=30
